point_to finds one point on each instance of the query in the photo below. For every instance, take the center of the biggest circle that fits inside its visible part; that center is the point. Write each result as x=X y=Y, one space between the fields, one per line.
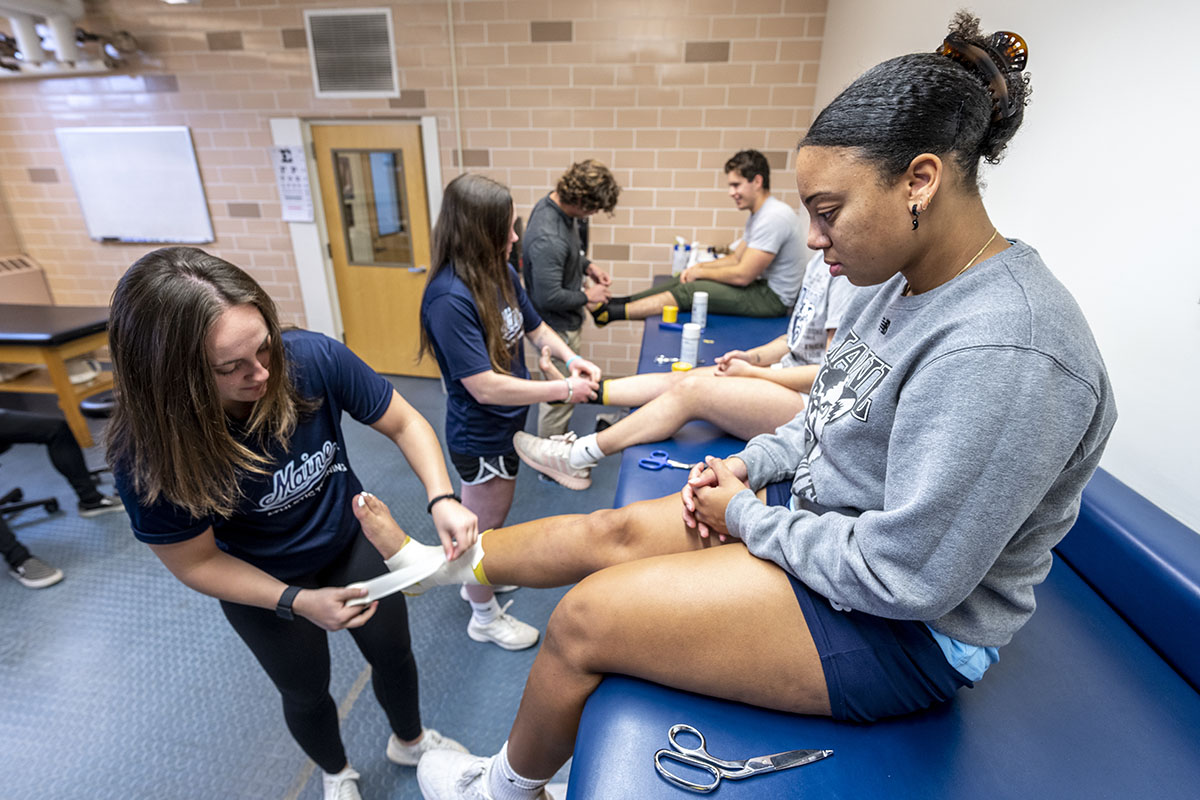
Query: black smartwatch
x=283 y=609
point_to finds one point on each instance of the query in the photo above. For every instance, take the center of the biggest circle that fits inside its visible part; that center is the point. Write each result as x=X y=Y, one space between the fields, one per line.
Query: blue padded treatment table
x=1096 y=697
x=1080 y=704
x=696 y=439
x=1146 y=564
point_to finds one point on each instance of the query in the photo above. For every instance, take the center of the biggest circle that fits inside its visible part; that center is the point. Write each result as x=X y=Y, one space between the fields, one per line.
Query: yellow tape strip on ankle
x=477 y=567
x=604 y=392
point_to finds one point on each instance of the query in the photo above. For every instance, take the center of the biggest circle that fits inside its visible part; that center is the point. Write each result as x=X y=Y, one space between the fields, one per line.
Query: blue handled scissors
x=660 y=459
x=733 y=770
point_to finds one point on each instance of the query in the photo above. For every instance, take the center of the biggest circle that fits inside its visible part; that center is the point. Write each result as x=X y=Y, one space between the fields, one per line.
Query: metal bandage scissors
x=659 y=459
x=732 y=770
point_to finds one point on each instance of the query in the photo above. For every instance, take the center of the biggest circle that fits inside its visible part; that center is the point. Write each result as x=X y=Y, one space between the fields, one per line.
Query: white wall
x=1102 y=179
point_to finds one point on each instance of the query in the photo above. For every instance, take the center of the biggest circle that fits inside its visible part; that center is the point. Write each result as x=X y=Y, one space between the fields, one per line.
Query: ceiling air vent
x=352 y=53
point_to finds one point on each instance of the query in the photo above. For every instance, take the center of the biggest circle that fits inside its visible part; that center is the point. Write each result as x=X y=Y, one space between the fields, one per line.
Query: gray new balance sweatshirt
x=947 y=441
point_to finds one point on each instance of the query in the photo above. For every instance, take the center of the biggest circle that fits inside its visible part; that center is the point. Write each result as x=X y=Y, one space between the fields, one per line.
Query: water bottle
x=679 y=258
x=689 y=346
x=700 y=309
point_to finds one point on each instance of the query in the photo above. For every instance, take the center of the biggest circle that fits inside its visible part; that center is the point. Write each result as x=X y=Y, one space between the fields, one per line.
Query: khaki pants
x=555 y=419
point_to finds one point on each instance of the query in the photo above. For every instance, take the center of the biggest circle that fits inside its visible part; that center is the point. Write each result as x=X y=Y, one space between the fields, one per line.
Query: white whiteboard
x=137 y=184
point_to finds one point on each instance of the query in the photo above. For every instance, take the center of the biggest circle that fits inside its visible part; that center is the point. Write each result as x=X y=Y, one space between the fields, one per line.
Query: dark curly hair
x=589 y=185
x=924 y=103
x=750 y=164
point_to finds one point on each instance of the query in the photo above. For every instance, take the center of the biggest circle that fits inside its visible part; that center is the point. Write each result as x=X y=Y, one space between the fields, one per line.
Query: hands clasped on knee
x=710 y=487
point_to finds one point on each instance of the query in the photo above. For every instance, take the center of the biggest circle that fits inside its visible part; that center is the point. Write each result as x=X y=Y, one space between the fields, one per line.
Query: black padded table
x=49 y=335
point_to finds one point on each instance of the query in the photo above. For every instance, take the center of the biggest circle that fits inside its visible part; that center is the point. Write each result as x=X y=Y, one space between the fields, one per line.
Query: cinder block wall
x=663 y=91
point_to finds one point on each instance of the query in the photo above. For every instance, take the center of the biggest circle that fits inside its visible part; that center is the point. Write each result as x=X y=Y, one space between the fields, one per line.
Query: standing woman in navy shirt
x=227 y=448
x=473 y=317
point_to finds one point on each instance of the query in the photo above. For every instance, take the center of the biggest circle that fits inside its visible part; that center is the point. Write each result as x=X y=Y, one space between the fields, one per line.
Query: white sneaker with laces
x=407 y=755
x=552 y=457
x=505 y=630
x=342 y=786
x=446 y=775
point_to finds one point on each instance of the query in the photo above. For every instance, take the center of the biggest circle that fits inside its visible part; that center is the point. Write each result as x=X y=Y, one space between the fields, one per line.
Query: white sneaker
x=446 y=775
x=505 y=630
x=407 y=755
x=342 y=786
x=552 y=457
x=501 y=589
x=34 y=573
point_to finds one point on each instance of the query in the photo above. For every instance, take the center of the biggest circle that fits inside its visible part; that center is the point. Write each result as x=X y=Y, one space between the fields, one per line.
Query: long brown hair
x=470 y=236
x=169 y=431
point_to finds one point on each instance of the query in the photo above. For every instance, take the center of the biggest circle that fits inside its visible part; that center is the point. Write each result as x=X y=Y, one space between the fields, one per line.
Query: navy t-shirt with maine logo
x=448 y=312
x=297 y=518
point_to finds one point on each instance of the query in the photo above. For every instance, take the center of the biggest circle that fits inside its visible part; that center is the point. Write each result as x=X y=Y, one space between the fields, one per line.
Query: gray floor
x=120 y=682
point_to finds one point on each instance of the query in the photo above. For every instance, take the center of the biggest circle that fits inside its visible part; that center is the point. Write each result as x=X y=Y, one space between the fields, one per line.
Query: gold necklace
x=995 y=232
x=986 y=244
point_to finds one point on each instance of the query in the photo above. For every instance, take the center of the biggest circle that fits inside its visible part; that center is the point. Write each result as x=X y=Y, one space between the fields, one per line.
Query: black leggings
x=295 y=656
x=12 y=550
x=22 y=427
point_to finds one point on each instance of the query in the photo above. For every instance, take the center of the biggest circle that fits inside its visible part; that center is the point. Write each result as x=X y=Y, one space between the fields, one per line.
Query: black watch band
x=283 y=609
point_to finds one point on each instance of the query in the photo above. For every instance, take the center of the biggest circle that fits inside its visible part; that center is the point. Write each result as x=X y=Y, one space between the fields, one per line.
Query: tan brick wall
x=663 y=91
x=10 y=243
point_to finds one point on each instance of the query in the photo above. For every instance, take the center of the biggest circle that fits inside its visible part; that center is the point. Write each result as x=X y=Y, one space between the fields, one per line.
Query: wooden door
x=373 y=193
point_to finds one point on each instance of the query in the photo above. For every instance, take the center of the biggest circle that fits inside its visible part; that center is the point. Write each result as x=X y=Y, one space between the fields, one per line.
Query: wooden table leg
x=67 y=399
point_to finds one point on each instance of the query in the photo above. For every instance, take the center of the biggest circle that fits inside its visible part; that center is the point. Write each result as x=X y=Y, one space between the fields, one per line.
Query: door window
x=375 y=220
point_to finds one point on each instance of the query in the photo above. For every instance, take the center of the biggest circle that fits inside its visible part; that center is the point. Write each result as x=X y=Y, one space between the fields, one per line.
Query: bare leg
x=636 y=390
x=648 y=306
x=556 y=551
x=744 y=407
x=553 y=551
x=766 y=655
x=490 y=501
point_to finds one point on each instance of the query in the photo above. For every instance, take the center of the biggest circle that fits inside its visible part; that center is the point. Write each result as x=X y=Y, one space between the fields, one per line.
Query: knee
x=692 y=384
x=611 y=536
x=575 y=629
x=304 y=696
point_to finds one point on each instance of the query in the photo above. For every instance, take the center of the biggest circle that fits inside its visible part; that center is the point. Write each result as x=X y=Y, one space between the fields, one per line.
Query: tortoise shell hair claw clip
x=1002 y=53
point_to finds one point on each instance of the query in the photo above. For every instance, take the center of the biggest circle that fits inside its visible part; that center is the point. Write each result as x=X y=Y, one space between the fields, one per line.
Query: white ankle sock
x=585 y=452
x=505 y=784
x=486 y=611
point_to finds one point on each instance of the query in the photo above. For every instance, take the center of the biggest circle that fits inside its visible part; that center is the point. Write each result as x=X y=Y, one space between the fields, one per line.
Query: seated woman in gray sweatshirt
x=909 y=512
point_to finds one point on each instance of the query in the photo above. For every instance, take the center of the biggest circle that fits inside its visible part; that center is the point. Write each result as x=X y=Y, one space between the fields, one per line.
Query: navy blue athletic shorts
x=475 y=470
x=874 y=667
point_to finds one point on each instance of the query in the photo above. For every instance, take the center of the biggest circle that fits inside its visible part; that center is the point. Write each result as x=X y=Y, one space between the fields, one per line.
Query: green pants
x=755 y=300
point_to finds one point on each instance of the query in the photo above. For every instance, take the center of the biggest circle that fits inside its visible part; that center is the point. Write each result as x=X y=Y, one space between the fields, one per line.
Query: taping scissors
x=700 y=758
x=660 y=459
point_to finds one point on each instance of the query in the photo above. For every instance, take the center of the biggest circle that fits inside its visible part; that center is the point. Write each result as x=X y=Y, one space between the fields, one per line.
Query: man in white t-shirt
x=761 y=278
